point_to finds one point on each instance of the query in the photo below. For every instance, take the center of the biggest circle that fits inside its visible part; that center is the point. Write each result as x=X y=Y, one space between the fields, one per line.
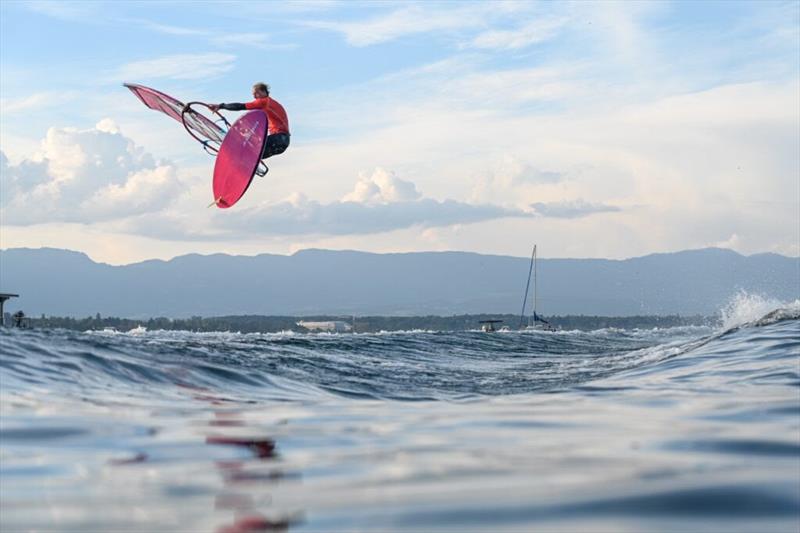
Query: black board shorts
x=276 y=144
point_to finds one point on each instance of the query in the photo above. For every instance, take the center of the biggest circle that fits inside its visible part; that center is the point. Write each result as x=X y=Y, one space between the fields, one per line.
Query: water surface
x=691 y=429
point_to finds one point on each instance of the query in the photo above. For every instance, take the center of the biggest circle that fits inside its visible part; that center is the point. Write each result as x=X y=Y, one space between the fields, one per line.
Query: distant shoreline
x=363 y=324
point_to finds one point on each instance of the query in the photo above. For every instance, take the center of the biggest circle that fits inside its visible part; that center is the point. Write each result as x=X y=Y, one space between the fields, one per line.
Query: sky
x=593 y=129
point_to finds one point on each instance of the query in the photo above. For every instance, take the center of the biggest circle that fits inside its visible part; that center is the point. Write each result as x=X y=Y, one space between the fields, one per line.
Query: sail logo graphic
x=247 y=134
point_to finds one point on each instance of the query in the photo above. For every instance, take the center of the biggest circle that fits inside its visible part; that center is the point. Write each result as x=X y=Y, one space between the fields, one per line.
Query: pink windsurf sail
x=239 y=158
x=202 y=128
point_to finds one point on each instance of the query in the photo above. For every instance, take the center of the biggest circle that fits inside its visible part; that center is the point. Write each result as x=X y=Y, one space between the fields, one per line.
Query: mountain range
x=314 y=282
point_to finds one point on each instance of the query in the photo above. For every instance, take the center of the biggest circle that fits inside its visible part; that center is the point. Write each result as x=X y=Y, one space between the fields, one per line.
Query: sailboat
x=534 y=322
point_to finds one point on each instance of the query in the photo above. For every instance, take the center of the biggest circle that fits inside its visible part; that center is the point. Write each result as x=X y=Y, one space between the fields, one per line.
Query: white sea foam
x=745 y=308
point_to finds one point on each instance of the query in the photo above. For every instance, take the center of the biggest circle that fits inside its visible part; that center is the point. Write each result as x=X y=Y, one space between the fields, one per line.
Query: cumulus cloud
x=734 y=242
x=380 y=202
x=85 y=176
x=571 y=209
x=382 y=187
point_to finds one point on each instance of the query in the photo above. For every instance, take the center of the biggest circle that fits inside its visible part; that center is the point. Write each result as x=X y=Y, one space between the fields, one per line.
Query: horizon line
x=348 y=250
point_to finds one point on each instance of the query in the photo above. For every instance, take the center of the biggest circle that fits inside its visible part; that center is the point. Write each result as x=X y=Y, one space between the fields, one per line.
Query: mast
x=535 y=277
x=527 y=285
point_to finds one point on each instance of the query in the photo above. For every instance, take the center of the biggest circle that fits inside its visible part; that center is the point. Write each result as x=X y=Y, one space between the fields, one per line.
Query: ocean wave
x=387 y=365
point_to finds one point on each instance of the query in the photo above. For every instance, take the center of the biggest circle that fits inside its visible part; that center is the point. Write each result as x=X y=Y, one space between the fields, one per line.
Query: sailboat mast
x=534 y=284
x=527 y=286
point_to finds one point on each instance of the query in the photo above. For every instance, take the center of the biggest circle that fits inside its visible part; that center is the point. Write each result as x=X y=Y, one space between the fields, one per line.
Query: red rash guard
x=278 y=122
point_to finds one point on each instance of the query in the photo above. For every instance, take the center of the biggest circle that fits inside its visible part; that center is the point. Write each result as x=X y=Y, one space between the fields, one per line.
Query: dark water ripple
x=680 y=429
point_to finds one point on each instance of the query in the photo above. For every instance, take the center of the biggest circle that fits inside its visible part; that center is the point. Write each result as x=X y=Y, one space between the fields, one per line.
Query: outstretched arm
x=228 y=107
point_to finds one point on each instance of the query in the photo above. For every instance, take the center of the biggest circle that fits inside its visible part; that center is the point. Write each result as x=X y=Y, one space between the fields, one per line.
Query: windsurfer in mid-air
x=277 y=121
x=239 y=149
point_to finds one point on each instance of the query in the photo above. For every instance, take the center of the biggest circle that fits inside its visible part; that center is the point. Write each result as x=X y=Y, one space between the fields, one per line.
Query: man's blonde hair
x=262 y=87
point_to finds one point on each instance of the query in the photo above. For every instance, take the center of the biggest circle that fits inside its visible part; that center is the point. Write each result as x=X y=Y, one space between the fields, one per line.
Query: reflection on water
x=244 y=481
x=683 y=429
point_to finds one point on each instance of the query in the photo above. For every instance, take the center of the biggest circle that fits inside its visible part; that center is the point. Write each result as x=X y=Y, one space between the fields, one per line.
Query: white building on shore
x=334 y=326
